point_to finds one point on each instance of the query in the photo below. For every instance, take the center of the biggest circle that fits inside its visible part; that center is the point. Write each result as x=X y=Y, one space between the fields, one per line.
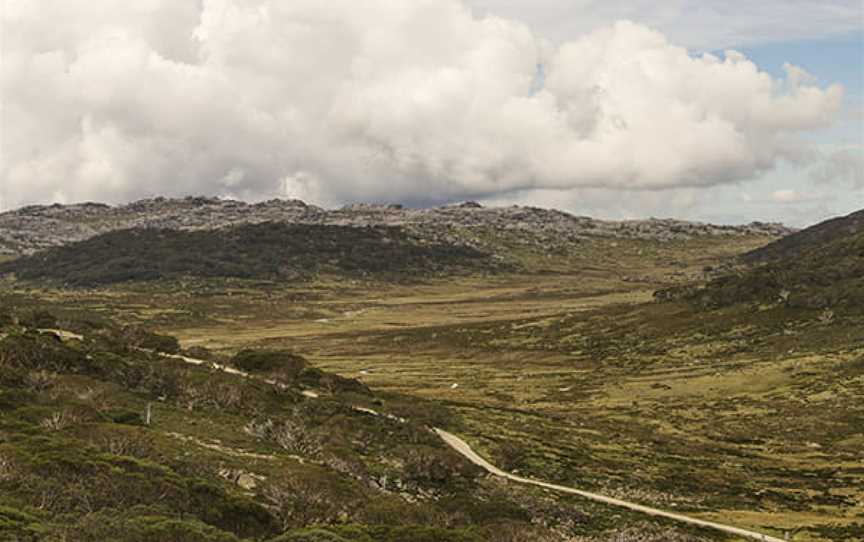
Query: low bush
x=288 y=364
x=107 y=526
x=39 y=319
x=149 y=340
x=316 y=378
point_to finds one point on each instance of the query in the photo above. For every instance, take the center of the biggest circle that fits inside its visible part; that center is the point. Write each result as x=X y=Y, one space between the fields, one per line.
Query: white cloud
x=416 y=101
x=700 y=24
x=789 y=196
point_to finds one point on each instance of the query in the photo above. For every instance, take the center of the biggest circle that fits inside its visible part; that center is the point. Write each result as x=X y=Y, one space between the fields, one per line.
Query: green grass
x=749 y=413
x=77 y=460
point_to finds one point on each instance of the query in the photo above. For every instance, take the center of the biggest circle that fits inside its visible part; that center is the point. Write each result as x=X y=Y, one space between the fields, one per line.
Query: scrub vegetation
x=690 y=375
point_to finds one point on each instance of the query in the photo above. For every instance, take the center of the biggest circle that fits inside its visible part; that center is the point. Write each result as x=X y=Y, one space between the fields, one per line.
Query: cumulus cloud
x=701 y=24
x=791 y=196
x=416 y=101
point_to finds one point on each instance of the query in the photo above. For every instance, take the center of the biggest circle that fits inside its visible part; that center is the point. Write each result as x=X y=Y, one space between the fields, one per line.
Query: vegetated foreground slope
x=223 y=458
x=259 y=251
x=821 y=267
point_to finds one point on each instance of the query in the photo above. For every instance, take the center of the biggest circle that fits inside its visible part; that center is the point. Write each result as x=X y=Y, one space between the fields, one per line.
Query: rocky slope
x=34 y=228
x=821 y=267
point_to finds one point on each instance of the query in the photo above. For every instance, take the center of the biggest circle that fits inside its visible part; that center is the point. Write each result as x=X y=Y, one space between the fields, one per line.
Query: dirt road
x=463 y=448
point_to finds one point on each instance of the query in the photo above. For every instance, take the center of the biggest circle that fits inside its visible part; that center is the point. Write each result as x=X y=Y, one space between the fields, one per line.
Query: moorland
x=713 y=371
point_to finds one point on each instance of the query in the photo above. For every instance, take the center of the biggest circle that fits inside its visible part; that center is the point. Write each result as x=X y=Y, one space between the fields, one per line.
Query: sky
x=726 y=112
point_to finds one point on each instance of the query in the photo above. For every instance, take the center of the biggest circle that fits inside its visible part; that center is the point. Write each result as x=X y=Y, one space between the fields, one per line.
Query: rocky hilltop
x=30 y=229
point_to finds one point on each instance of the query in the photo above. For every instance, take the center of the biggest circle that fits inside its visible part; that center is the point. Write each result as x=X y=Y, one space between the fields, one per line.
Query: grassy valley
x=733 y=394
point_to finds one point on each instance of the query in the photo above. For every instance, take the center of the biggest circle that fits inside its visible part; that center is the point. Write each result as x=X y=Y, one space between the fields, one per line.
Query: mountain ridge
x=37 y=227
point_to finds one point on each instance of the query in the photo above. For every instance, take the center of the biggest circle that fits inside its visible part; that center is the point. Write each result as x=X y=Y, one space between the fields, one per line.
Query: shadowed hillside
x=274 y=251
x=821 y=267
x=812 y=238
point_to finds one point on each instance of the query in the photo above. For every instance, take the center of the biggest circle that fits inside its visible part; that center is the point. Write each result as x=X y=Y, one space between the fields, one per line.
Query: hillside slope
x=258 y=251
x=797 y=243
x=821 y=267
x=103 y=438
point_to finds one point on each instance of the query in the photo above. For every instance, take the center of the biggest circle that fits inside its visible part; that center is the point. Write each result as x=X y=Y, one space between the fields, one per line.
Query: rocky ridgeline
x=33 y=228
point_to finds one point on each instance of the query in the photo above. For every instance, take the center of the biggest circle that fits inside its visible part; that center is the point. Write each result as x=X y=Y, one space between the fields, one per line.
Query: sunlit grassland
x=569 y=372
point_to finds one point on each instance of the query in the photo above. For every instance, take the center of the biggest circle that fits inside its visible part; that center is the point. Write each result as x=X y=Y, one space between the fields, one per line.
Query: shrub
x=288 y=364
x=291 y=434
x=13 y=377
x=199 y=352
x=316 y=378
x=425 y=465
x=125 y=416
x=40 y=319
x=6 y=318
x=148 y=340
x=19 y=526
x=421 y=534
x=511 y=456
x=129 y=442
x=237 y=514
x=106 y=526
x=40 y=352
x=312 y=535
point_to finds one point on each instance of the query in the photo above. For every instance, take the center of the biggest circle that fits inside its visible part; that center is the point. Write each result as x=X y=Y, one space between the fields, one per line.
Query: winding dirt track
x=463 y=448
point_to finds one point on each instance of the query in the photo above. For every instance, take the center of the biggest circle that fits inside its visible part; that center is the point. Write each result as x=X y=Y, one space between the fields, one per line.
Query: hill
x=821 y=267
x=27 y=230
x=276 y=251
x=804 y=241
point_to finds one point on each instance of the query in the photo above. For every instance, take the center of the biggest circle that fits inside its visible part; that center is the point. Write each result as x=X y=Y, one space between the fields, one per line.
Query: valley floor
x=749 y=416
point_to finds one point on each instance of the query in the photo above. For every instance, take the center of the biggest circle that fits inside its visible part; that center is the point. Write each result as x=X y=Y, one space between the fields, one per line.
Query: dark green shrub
x=125 y=417
x=421 y=534
x=41 y=352
x=160 y=343
x=199 y=352
x=288 y=364
x=313 y=535
x=380 y=533
x=427 y=466
x=12 y=377
x=394 y=511
x=239 y=515
x=107 y=526
x=40 y=319
x=148 y=340
x=493 y=508
x=316 y=378
x=18 y=526
x=6 y=318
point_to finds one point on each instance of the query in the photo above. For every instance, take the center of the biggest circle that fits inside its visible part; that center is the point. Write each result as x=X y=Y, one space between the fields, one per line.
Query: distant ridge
x=33 y=228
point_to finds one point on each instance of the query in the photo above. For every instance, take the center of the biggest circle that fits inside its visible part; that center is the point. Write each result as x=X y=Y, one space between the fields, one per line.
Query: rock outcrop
x=33 y=228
